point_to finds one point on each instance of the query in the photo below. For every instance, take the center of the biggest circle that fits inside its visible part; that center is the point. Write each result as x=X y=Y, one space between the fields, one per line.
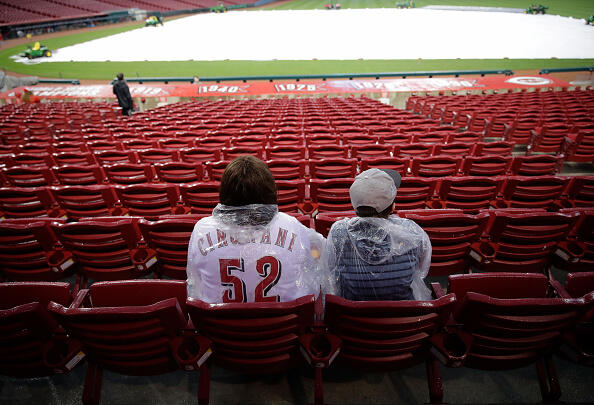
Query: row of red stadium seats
x=282 y=169
x=485 y=321
x=114 y=248
x=319 y=195
x=108 y=153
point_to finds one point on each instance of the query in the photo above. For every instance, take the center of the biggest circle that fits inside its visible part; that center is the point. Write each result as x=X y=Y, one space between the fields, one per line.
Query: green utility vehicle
x=36 y=51
x=534 y=9
x=406 y=4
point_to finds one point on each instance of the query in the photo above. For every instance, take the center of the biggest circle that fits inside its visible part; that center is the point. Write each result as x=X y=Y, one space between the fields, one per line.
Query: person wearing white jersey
x=247 y=251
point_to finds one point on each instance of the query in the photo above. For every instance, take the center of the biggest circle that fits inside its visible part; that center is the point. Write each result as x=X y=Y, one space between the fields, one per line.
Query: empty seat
x=451 y=235
x=371 y=151
x=288 y=169
x=490 y=165
x=252 y=338
x=78 y=175
x=467 y=193
x=493 y=148
x=87 y=201
x=331 y=194
x=19 y=202
x=521 y=242
x=415 y=192
x=157 y=155
x=536 y=165
x=324 y=220
x=179 y=172
x=29 y=251
x=200 y=197
x=150 y=200
x=133 y=328
x=507 y=321
x=290 y=195
x=107 y=249
x=531 y=192
x=435 y=166
x=331 y=151
x=129 y=173
x=27 y=176
x=414 y=150
x=331 y=168
x=33 y=343
x=388 y=336
x=170 y=238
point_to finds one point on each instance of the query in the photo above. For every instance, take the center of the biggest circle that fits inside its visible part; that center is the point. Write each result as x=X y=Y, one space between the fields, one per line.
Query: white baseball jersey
x=245 y=263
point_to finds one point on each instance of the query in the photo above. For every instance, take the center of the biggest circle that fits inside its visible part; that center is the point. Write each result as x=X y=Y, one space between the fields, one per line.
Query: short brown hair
x=120 y=76
x=247 y=180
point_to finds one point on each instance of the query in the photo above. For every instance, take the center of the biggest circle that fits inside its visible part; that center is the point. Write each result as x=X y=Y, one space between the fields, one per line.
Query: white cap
x=375 y=188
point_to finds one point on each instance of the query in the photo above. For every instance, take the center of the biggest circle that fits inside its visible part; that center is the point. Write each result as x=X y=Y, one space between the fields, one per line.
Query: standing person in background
x=247 y=251
x=122 y=92
x=377 y=255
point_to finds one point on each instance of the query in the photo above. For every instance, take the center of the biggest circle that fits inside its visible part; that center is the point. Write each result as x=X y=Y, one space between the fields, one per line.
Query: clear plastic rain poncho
x=373 y=259
x=253 y=253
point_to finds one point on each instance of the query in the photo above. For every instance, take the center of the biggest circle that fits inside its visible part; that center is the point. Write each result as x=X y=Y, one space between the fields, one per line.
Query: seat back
x=18 y=202
x=127 y=327
x=532 y=192
x=200 y=197
x=469 y=193
x=107 y=250
x=510 y=318
x=331 y=194
x=385 y=335
x=254 y=337
x=451 y=235
x=150 y=200
x=28 y=331
x=170 y=239
x=414 y=192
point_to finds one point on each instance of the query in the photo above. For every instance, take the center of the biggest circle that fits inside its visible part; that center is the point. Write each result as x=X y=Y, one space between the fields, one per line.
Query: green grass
x=567 y=8
x=107 y=70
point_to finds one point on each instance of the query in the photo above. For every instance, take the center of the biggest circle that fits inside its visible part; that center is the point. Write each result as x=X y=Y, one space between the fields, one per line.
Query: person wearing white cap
x=377 y=255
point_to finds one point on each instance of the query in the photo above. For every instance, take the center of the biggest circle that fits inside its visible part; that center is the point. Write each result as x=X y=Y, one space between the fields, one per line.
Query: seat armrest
x=451 y=347
x=320 y=349
x=438 y=291
x=62 y=353
x=190 y=350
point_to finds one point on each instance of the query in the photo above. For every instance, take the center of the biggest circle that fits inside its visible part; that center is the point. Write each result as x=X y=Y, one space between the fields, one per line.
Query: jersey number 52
x=267 y=267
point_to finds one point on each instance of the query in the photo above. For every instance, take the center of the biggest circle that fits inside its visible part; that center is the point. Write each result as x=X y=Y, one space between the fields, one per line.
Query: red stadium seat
x=521 y=242
x=324 y=220
x=179 y=172
x=414 y=150
x=451 y=235
x=493 y=148
x=388 y=336
x=107 y=249
x=371 y=151
x=401 y=165
x=330 y=151
x=290 y=195
x=78 y=175
x=415 y=192
x=491 y=165
x=30 y=251
x=435 y=166
x=331 y=194
x=74 y=158
x=200 y=154
x=458 y=149
x=27 y=176
x=236 y=151
x=291 y=152
x=150 y=200
x=531 y=192
x=253 y=338
x=18 y=202
x=507 y=321
x=35 y=345
x=287 y=169
x=87 y=201
x=115 y=312
x=129 y=173
x=468 y=193
x=109 y=157
x=157 y=156
x=536 y=165
x=200 y=197
x=331 y=168
x=170 y=239
x=579 y=147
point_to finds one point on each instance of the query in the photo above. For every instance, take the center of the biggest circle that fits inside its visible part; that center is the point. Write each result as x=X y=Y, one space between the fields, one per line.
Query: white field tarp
x=343 y=34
